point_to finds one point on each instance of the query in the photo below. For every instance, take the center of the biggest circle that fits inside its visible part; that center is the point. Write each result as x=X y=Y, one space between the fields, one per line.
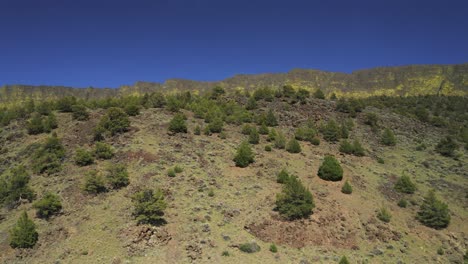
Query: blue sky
x=111 y=43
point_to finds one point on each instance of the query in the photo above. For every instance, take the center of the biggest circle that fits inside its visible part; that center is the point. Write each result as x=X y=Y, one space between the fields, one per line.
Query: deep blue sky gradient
x=110 y=43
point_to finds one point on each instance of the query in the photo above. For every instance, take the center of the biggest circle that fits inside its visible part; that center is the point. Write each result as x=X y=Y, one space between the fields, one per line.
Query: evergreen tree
x=83 y=157
x=35 y=125
x=79 y=112
x=103 y=151
x=358 y=150
x=117 y=176
x=197 y=130
x=216 y=125
x=50 y=123
x=23 y=234
x=272 y=135
x=343 y=260
x=346 y=147
x=251 y=104
x=47 y=206
x=344 y=132
x=280 y=141
x=49 y=157
x=433 y=212
x=244 y=155
x=388 y=138
x=347 y=189
x=405 y=185
x=115 y=121
x=254 y=137
x=295 y=200
x=282 y=176
x=271 y=119
x=246 y=129
x=263 y=130
x=149 y=207
x=330 y=170
x=14 y=186
x=94 y=183
x=446 y=147
x=371 y=119
x=177 y=124
x=132 y=109
x=319 y=94
x=331 y=131
x=293 y=146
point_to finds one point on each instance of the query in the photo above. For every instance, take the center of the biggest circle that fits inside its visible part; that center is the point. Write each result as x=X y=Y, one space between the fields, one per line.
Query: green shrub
x=246 y=129
x=94 y=183
x=132 y=109
x=244 y=155
x=50 y=123
x=305 y=133
x=65 y=104
x=115 y=121
x=79 y=112
x=177 y=124
x=35 y=125
x=48 y=159
x=319 y=94
x=263 y=130
x=117 y=176
x=216 y=125
x=225 y=253
x=446 y=147
x=197 y=130
x=346 y=147
x=254 y=137
x=371 y=119
x=402 y=203
x=249 y=247
x=405 y=185
x=268 y=148
x=380 y=160
x=295 y=200
x=178 y=169
x=293 y=146
x=433 y=212
x=388 y=138
x=171 y=173
x=440 y=251
x=211 y=193
x=344 y=132
x=251 y=104
x=271 y=119
x=273 y=248
x=347 y=189
x=149 y=207
x=315 y=141
x=330 y=170
x=222 y=135
x=354 y=149
x=344 y=260
x=282 y=177
x=103 y=151
x=384 y=215
x=330 y=131
x=14 y=185
x=272 y=135
x=280 y=141
x=23 y=234
x=47 y=206
x=83 y=157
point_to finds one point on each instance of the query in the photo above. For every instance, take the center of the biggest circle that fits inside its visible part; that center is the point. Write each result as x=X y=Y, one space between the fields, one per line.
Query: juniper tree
x=47 y=206
x=295 y=200
x=433 y=212
x=446 y=147
x=405 y=185
x=117 y=176
x=330 y=170
x=254 y=137
x=347 y=189
x=293 y=146
x=388 y=138
x=149 y=207
x=177 y=124
x=23 y=234
x=244 y=155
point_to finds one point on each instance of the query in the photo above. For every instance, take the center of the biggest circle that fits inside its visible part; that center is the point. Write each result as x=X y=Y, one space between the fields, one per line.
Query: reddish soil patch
x=331 y=230
x=140 y=155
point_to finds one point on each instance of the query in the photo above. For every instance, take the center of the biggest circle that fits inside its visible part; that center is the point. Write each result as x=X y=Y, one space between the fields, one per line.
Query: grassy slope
x=98 y=229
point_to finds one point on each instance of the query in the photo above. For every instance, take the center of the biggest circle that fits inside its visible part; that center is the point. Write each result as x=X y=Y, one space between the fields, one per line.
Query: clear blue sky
x=104 y=43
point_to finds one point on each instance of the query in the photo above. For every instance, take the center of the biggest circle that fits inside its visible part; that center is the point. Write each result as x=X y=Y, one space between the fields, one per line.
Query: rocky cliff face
x=391 y=81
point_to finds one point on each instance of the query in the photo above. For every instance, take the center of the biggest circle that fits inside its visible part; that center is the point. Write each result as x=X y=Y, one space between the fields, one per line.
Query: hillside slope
x=214 y=206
